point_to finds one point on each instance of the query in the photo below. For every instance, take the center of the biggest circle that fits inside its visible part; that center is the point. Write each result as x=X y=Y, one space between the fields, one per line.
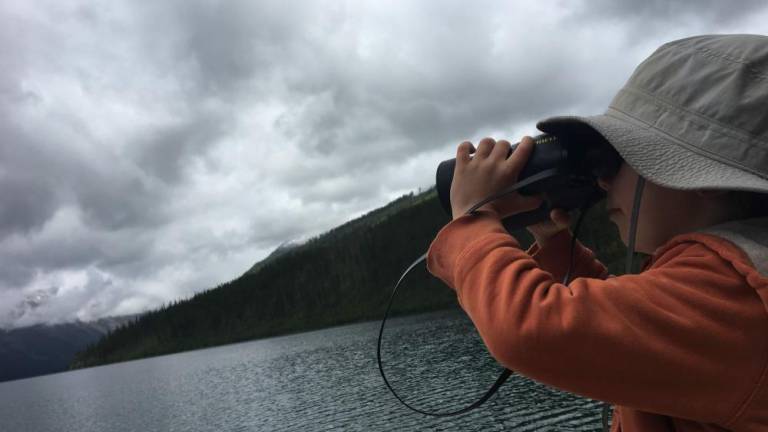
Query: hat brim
x=657 y=157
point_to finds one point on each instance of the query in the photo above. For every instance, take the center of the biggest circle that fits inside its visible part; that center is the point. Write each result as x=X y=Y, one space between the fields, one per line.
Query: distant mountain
x=341 y=276
x=44 y=349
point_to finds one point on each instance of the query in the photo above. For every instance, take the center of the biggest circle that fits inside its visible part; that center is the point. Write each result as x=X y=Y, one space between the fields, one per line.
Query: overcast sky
x=150 y=150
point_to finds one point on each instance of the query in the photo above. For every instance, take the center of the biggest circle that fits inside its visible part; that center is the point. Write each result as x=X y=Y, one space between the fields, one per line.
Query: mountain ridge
x=43 y=349
x=341 y=276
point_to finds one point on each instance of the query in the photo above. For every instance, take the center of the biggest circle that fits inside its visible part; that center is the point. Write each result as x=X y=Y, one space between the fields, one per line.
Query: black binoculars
x=563 y=169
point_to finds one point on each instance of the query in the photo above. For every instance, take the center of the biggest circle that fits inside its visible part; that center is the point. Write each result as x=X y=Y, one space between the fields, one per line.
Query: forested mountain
x=341 y=276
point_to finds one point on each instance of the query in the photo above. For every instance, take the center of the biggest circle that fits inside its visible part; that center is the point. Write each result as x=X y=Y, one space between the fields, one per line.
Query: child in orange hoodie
x=682 y=346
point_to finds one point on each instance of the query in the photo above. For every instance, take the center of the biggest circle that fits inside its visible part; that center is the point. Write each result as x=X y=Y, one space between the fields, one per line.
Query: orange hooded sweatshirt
x=682 y=346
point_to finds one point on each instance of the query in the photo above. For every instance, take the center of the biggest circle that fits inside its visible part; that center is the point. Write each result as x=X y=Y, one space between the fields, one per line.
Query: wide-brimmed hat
x=693 y=115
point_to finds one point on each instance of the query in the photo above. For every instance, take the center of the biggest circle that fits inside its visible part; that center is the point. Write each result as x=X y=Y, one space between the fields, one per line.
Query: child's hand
x=489 y=171
x=543 y=231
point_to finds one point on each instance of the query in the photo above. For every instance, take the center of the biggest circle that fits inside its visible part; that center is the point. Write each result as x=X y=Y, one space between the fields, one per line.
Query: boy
x=683 y=345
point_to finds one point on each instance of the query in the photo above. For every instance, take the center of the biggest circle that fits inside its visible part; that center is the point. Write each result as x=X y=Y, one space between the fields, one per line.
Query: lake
x=320 y=380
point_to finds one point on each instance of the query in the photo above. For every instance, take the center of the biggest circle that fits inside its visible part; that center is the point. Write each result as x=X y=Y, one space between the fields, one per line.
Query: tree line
x=342 y=276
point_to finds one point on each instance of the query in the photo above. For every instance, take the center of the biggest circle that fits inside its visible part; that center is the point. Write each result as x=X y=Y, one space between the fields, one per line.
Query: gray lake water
x=321 y=380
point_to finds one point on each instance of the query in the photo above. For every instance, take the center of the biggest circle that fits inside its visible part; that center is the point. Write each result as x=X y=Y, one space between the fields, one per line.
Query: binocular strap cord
x=532 y=179
x=499 y=381
x=633 y=224
x=505 y=374
x=582 y=212
x=628 y=266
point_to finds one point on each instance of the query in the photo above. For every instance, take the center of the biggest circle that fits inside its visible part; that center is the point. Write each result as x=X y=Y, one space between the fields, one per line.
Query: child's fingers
x=560 y=217
x=500 y=150
x=520 y=156
x=464 y=151
x=485 y=147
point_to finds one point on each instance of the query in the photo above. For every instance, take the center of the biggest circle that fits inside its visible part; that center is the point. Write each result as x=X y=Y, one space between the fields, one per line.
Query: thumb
x=560 y=217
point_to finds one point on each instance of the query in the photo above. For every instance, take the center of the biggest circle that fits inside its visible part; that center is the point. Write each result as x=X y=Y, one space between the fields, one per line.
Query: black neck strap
x=505 y=374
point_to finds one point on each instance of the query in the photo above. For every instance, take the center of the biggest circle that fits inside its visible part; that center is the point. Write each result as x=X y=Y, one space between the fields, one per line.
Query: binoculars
x=564 y=169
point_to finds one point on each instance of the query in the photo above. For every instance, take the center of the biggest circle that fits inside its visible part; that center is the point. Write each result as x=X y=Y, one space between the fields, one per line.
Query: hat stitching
x=687 y=146
x=708 y=122
x=692 y=42
x=720 y=56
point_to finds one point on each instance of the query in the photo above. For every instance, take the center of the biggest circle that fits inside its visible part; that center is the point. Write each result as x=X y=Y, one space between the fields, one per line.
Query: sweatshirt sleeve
x=556 y=256
x=686 y=338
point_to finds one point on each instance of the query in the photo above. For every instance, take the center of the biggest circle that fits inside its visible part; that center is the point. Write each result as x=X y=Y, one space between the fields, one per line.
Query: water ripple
x=324 y=380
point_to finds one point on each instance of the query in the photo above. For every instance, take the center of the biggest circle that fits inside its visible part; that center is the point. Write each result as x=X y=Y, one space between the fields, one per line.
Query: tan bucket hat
x=693 y=115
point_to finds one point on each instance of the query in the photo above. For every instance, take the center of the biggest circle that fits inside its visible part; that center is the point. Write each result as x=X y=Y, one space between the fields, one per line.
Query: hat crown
x=710 y=93
x=693 y=115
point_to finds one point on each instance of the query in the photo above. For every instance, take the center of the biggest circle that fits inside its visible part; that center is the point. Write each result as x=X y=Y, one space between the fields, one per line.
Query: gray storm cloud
x=148 y=151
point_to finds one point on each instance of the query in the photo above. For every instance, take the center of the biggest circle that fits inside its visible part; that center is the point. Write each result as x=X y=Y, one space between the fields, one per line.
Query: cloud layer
x=153 y=150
